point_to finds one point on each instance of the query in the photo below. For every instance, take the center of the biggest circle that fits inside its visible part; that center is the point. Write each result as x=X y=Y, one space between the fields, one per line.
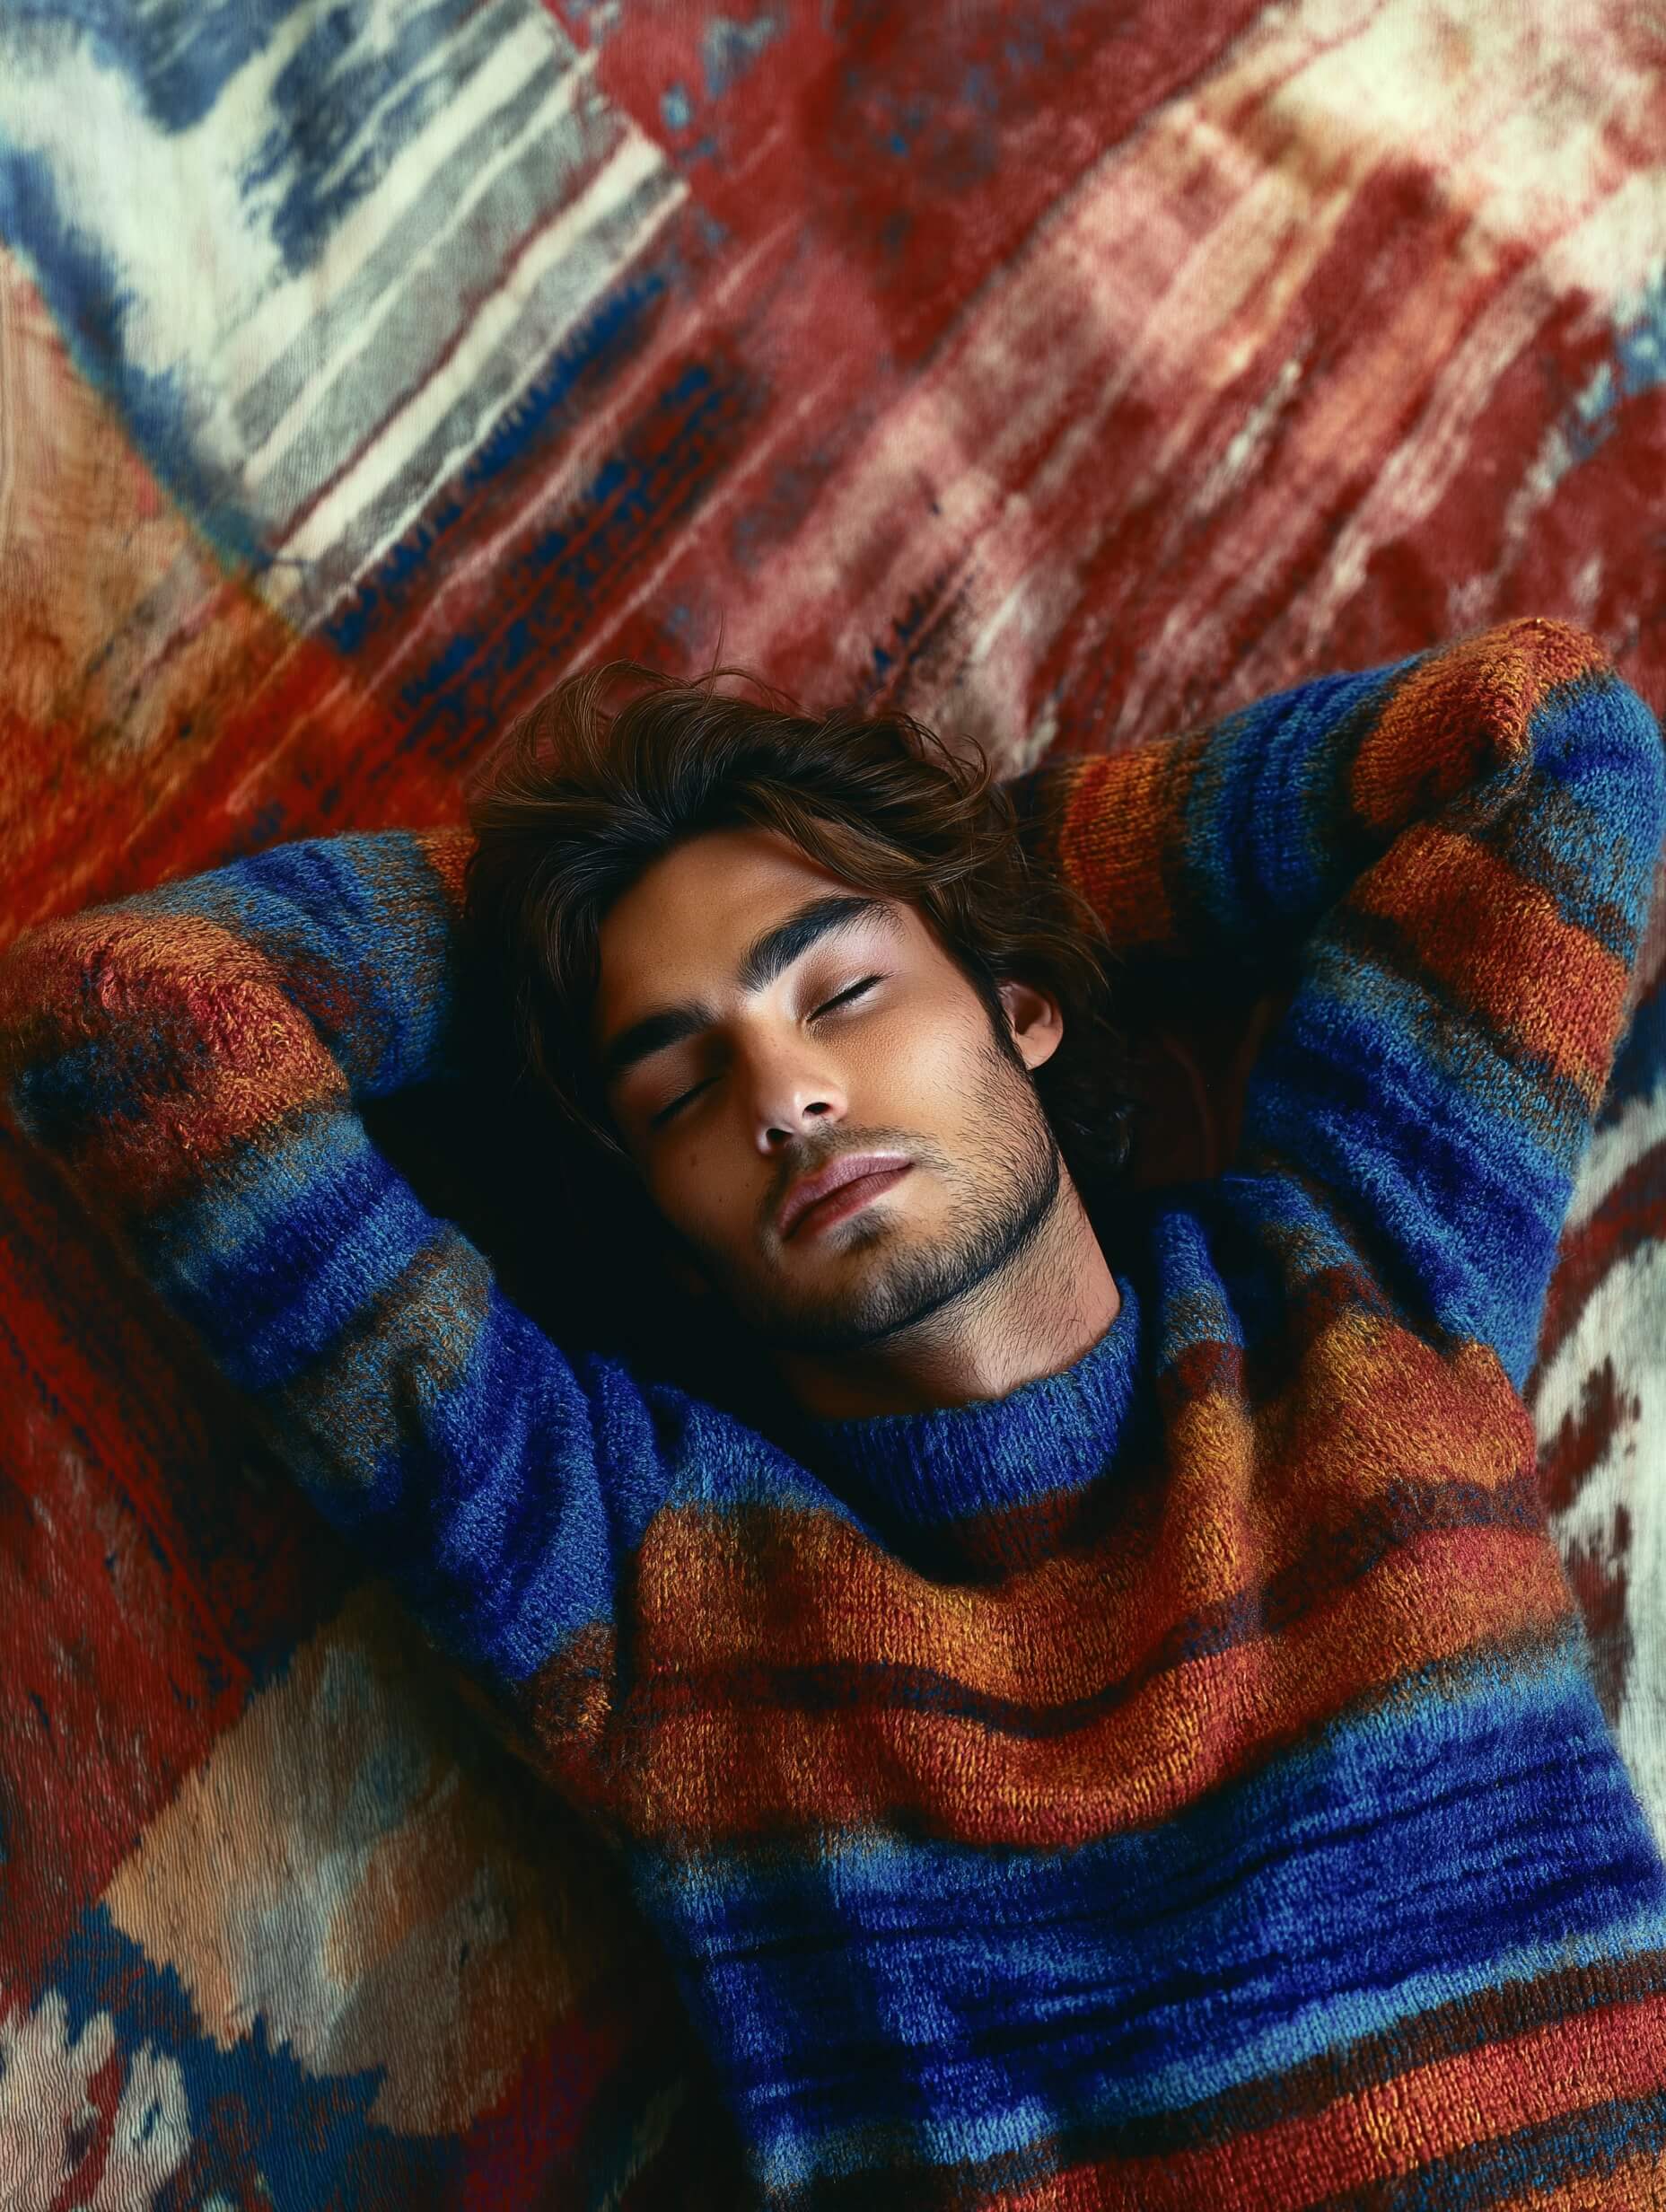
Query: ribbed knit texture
x=1176 y=1784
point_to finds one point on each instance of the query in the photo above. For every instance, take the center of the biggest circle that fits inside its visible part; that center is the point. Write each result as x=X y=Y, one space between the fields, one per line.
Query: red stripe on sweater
x=1467 y=914
x=720 y=1754
x=1402 y=2124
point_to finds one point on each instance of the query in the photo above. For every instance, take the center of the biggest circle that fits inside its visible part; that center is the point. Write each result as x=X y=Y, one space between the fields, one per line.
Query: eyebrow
x=765 y=958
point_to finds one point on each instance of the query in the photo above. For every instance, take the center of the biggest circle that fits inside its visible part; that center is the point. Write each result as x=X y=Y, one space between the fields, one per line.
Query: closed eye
x=845 y=998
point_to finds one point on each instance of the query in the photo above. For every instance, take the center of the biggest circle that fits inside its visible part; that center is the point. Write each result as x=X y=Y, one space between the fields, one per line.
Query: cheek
x=913 y=1064
x=920 y=1065
x=707 y=1183
x=689 y=1181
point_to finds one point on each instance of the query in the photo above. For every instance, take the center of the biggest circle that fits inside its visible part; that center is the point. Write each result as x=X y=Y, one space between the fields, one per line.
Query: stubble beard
x=1002 y=1201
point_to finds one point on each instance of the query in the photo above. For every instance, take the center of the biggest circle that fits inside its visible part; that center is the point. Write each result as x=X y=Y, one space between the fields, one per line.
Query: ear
x=1034 y=1019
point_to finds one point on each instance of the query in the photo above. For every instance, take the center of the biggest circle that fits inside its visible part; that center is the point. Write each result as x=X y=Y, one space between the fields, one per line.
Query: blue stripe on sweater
x=1262 y=815
x=105 y=1083
x=1453 y=1837
x=481 y=1499
x=364 y=904
x=273 y=1263
x=448 y=1434
x=491 y=1517
x=1361 y=1090
x=1597 y=853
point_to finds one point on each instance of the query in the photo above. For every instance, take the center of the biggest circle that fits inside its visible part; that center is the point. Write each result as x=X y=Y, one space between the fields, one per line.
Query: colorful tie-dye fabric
x=1179 y=1781
x=1065 y=378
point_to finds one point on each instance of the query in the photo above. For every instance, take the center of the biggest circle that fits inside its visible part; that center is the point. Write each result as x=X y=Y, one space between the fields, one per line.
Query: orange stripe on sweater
x=1467 y=914
x=1460 y=714
x=717 y=1755
x=1117 y=824
x=1636 y=2185
x=448 y=853
x=1241 y=1501
x=1398 y=2128
x=237 y=1058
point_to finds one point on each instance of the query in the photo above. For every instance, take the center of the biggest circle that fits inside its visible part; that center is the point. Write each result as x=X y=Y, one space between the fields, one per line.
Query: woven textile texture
x=1179 y=1780
x=1068 y=375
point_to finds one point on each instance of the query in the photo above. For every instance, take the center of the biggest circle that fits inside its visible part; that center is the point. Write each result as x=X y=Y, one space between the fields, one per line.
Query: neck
x=1039 y=1316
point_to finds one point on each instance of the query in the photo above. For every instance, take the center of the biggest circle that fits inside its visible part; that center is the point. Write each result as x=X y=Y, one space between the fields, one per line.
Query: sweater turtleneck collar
x=1056 y=1433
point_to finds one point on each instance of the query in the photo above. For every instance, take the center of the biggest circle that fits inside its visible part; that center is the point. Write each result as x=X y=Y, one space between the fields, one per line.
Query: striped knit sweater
x=1177 y=1784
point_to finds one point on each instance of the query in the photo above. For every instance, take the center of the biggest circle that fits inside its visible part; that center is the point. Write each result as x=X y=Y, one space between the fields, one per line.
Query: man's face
x=758 y=1023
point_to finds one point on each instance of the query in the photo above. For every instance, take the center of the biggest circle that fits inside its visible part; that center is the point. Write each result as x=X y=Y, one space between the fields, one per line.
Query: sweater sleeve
x=1451 y=859
x=196 y=1058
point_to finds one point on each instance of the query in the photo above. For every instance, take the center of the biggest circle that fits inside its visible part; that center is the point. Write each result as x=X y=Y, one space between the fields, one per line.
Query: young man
x=1122 y=1735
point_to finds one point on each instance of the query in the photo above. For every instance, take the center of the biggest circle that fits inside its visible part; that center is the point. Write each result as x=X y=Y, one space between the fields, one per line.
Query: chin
x=846 y=1239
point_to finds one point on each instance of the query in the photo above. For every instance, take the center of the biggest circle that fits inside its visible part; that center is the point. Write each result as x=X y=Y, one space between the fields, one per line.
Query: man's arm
x=1457 y=851
x=196 y=1058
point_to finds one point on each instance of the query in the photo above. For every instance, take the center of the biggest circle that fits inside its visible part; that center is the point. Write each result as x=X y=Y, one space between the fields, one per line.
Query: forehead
x=681 y=928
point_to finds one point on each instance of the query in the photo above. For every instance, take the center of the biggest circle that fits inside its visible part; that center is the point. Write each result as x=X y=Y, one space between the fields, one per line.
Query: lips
x=811 y=1189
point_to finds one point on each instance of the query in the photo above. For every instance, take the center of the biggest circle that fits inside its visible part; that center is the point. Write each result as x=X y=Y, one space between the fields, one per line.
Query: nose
x=791 y=1094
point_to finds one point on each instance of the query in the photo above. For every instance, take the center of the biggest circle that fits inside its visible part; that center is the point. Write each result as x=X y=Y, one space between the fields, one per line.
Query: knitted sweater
x=1177 y=1784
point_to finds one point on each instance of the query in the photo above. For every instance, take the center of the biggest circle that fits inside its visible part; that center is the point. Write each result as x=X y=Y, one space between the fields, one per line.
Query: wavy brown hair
x=614 y=767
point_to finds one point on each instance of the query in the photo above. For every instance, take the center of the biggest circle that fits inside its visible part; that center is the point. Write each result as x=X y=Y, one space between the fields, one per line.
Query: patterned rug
x=1064 y=373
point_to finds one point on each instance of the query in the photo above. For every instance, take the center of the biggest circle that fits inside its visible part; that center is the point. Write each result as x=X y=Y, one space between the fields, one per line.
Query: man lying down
x=1116 y=1731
